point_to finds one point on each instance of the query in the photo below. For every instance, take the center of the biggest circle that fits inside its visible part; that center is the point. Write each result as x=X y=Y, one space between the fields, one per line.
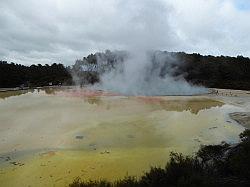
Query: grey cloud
x=49 y=31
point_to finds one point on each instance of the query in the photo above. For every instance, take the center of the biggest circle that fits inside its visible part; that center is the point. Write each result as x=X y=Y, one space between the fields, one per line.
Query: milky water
x=49 y=137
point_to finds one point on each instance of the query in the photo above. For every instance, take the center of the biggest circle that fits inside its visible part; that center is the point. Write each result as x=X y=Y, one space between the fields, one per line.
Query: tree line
x=15 y=75
x=209 y=71
x=217 y=72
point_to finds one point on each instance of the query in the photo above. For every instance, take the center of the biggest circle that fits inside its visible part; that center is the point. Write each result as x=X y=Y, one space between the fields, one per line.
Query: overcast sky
x=47 y=31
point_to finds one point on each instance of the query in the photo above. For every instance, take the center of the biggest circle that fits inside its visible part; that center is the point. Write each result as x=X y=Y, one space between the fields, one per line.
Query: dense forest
x=217 y=72
x=209 y=71
x=15 y=75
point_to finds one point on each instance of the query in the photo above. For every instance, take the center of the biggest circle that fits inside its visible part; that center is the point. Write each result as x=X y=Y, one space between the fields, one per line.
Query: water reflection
x=6 y=94
x=50 y=91
x=180 y=105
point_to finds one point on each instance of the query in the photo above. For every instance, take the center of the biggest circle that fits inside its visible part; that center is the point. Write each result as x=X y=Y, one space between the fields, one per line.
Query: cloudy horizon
x=51 y=31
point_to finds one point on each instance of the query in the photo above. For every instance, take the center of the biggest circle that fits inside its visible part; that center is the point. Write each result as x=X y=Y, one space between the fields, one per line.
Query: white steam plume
x=149 y=73
x=139 y=74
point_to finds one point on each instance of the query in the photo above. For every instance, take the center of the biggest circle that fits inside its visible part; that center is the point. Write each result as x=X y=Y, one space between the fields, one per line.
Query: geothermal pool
x=48 y=137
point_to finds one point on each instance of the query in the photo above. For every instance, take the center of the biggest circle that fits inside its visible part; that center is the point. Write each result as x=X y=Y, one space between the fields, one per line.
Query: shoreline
x=229 y=92
x=30 y=88
x=211 y=91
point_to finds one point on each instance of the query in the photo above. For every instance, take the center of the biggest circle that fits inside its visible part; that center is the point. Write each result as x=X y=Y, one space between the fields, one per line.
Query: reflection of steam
x=147 y=73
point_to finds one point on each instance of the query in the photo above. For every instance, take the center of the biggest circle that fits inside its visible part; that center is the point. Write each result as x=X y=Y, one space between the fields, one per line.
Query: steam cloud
x=146 y=73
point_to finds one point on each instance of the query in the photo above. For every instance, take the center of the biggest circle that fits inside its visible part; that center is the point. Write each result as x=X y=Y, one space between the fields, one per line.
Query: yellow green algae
x=48 y=139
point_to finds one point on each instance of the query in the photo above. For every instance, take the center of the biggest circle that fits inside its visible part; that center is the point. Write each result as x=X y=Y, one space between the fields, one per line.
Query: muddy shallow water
x=49 y=137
